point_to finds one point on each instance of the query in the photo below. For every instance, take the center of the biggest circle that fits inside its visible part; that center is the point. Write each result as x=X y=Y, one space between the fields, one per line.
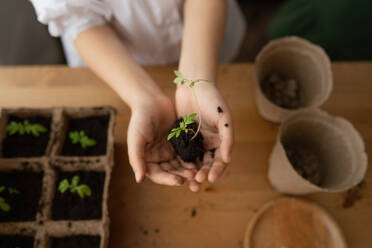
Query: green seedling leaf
x=171 y=135
x=5 y=207
x=63 y=186
x=25 y=128
x=2 y=188
x=80 y=137
x=75 y=181
x=82 y=190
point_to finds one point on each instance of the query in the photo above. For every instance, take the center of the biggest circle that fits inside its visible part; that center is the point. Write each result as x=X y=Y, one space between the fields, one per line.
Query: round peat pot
x=338 y=146
x=297 y=60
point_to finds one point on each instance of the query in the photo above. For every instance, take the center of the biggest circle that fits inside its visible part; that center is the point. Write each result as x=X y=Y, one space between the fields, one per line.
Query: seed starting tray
x=43 y=227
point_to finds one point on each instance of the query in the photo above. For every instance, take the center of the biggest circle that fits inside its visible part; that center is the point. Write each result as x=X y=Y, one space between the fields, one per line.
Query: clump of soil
x=305 y=161
x=94 y=127
x=282 y=91
x=81 y=241
x=352 y=196
x=16 y=241
x=69 y=206
x=24 y=204
x=27 y=145
x=187 y=148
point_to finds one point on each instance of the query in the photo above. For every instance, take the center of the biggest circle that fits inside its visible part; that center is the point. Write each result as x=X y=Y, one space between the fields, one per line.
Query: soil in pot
x=187 y=148
x=81 y=241
x=27 y=145
x=282 y=91
x=16 y=241
x=305 y=161
x=24 y=203
x=94 y=127
x=70 y=206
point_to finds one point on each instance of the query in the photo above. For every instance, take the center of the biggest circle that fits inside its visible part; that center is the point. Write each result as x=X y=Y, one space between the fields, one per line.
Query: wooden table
x=150 y=215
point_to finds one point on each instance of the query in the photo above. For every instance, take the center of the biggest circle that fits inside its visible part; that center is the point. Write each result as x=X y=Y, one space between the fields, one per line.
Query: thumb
x=136 y=153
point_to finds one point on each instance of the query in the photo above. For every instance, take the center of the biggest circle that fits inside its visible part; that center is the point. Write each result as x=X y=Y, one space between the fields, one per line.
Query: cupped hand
x=216 y=128
x=149 y=152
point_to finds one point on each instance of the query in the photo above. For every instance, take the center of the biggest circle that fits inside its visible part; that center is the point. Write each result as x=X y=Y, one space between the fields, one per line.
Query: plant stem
x=199 y=113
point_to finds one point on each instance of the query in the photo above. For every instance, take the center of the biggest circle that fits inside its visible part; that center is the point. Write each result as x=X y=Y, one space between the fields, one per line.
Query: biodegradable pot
x=43 y=225
x=298 y=59
x=339 y=146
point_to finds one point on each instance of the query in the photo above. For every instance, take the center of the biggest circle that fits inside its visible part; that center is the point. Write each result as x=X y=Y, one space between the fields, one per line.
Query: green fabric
x=342 y=27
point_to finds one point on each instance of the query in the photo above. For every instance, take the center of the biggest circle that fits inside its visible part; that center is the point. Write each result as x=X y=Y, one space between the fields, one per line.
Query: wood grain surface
x=149 y=215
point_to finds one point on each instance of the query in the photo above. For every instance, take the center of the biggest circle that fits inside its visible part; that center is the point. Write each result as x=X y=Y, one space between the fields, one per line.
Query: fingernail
x=138 y=177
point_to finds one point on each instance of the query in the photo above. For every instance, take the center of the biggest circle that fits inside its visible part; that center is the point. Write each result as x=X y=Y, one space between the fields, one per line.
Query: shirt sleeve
x=70 y=17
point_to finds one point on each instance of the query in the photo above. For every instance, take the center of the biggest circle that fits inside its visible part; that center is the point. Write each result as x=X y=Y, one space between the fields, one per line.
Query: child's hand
x=149 y=152
x=217 y=128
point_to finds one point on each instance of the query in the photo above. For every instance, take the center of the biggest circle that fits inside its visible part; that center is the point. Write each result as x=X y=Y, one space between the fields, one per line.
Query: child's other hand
x=149 y=152
x=217 y=128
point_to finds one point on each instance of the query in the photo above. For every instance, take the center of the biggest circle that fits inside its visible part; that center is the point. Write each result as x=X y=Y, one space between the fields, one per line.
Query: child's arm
x=104 y=53
x=152 y=112
x=204 y=25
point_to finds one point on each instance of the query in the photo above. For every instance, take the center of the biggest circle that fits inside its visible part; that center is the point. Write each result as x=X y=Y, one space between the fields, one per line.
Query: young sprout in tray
x=80 y=137
x=180 y=79
x=25 y=128
x=82 y=190
x=4 y=206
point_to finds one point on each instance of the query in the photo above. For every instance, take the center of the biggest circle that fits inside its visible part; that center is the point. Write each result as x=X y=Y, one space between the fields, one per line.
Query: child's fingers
x=136 y=153
x=157 y=175
x=194 y=186
x=225 y=129
x=217 y=168
x=188 y=174
x=202 y=174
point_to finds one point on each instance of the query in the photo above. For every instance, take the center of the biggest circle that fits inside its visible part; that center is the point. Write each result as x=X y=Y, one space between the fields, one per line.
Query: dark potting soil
x=69 y=206
x=25 y=204
x=94 y=127
x=189 y=150
x=305 y=161
x=16 y=241
x=81 y=241
x=282 y=91
x=27 y=145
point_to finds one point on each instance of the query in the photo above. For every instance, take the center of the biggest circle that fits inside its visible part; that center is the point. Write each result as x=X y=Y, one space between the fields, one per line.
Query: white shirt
x=150 y=29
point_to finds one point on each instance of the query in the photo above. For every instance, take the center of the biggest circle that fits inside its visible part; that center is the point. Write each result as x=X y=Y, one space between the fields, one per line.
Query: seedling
x=82 y=190
x=25 y=128
x=80 y=137
x=4 y=206
x=180 y=79
x=187 y=120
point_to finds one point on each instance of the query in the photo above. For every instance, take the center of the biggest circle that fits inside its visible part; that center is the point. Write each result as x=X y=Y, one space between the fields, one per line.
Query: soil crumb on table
x=305 y=161
x=284 y=92
x=352 y=195
x=193 y=213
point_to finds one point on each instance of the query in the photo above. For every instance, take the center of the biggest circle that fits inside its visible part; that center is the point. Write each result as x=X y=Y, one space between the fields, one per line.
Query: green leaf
x=21 y=129
x=5 y=207
x=12 y=128
x=171 y=135
x=63 y=186
x=178 y=74
x=83 y=190
x=37 y=129
x=177 y=80
x=192 y=116
x=182 y=125
x=90 y=142
x=192 y=84
x=75 y=181
x=178 y=133
x=2 y=188
x=174 y=129
x=74 y=137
